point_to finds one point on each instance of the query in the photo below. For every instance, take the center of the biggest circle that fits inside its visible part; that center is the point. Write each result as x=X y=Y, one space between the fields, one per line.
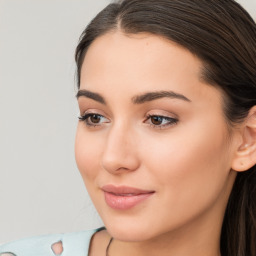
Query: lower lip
x=124 y=202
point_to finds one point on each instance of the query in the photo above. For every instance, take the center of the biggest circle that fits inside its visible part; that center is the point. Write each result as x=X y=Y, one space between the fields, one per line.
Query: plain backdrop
x=41 y=190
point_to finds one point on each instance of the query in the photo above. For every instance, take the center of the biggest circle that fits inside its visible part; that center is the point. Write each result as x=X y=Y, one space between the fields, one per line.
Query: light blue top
x=74 y=244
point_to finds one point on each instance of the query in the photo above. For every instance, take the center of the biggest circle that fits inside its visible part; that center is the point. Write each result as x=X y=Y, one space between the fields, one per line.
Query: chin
x=129 y=231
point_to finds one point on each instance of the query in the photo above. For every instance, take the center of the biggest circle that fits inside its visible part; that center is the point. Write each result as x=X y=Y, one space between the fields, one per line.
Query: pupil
x=95 y=118
x=156 y=120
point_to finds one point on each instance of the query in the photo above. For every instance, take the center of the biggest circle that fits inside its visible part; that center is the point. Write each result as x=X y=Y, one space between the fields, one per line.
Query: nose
x=120 y=152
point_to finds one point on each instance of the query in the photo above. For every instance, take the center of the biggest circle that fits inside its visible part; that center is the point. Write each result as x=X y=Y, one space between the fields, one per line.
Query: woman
x=166 y=139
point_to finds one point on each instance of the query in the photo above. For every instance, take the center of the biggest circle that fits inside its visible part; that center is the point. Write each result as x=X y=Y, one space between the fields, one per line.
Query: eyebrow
x=150 y=96
x=139 y=99
x=91 y=95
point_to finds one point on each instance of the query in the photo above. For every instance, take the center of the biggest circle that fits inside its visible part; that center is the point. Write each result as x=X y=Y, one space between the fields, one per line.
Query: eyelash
x=85 y=118
x=170 y=121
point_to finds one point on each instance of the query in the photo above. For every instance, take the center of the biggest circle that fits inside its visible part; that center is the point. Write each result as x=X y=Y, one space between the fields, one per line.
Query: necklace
x=107 y=249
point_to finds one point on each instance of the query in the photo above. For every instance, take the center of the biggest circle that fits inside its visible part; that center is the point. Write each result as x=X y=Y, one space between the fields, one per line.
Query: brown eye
x=160 y=122
x=156 y=120
x=95 y=119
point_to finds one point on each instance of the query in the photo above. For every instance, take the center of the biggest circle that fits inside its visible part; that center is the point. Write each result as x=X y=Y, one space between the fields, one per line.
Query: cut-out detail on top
x=57 y=248
x=7 y=254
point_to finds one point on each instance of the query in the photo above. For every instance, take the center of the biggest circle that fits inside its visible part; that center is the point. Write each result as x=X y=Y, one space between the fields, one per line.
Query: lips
x=123 y=197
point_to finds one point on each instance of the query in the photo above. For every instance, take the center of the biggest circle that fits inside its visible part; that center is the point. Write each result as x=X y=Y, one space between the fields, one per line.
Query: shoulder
x=76 y=243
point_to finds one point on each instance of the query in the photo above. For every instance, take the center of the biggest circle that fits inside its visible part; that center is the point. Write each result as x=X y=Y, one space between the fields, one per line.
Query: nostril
x=57 y=248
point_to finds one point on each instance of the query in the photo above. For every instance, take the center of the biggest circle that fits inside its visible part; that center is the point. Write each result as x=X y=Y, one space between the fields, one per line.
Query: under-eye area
x=57 y=248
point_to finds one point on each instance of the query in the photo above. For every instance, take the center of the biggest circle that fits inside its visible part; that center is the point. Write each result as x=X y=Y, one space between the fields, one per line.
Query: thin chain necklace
x=110 y=241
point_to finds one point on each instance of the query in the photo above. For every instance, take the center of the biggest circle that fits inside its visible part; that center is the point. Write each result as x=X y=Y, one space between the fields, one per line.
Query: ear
x=245 y=155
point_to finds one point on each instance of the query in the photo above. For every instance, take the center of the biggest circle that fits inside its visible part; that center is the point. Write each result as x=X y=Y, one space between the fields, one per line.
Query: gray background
x=41 y=190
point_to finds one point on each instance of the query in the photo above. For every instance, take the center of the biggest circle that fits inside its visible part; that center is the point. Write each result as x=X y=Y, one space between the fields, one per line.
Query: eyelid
x=171 y=118
x=170 y=122
x=92 y=111
x=89 y=123
x=88 y=114
x=162 y=113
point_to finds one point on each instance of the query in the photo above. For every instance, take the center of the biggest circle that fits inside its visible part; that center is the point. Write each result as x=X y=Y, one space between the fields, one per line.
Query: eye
x=160 y=121
x=93 y=119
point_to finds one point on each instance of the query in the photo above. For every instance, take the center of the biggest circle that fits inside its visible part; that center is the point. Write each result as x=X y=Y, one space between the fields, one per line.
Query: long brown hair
x=223 y=35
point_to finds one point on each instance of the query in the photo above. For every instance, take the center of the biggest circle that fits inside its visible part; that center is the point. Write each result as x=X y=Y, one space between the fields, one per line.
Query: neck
x=162 y=248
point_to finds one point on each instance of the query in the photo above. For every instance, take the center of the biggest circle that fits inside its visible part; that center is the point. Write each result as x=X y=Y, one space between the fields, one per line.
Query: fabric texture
x=74 y=244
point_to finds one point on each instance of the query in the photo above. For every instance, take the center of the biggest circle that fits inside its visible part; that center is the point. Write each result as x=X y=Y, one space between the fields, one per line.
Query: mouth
x=123 y=197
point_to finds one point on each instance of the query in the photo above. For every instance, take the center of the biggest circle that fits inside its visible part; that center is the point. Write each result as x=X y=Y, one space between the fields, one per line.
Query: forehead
x=139 y=49
x=136 y=63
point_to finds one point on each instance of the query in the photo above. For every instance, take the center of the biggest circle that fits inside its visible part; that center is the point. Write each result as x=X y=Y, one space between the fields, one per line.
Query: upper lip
x=123 y=190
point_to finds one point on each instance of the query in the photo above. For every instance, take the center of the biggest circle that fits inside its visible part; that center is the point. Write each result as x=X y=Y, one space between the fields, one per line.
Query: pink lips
x=123 y=198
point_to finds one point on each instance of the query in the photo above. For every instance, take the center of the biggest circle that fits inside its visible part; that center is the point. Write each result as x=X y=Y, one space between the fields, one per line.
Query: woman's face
x=153 y=147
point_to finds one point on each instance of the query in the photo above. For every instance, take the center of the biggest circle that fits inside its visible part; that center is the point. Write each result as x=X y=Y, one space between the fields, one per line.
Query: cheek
x=189 y=163
x=87 y=153
x=190 y=171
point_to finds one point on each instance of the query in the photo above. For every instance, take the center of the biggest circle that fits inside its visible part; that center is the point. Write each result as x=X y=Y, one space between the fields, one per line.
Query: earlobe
x=245 y=156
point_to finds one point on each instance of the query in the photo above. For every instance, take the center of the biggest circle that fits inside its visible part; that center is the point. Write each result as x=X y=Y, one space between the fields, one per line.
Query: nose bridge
x=118 y=136
x=119 y=152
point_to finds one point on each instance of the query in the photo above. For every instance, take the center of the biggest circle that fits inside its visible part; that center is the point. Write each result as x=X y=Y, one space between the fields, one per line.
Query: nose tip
x=116 y=163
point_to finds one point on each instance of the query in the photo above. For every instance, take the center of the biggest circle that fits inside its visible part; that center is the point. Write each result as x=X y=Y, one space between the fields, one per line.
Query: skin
x=187 y=163
x=57 y=248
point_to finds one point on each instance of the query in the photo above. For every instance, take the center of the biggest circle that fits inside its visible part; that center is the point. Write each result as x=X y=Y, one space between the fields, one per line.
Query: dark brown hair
x=223 y=35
